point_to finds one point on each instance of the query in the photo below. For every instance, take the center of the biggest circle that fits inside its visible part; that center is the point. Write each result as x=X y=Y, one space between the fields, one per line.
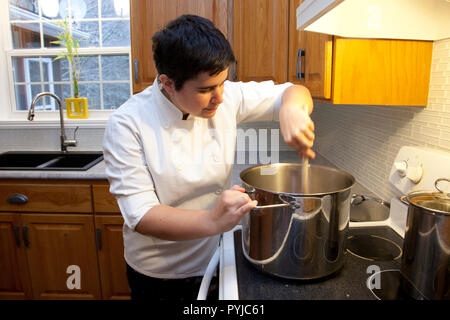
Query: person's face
x=200 y=96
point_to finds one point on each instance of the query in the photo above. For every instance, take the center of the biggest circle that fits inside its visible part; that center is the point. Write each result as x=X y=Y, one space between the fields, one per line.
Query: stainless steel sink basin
x=49 y=160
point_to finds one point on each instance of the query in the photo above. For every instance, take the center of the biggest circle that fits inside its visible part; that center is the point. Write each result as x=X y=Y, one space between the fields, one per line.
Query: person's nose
x=217 y=96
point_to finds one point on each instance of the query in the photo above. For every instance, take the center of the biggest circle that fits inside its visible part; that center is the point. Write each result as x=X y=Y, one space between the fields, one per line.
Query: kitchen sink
x=49 y=160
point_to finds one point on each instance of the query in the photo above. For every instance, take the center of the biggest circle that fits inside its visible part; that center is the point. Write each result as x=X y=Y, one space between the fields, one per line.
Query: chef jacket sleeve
x=257 y=101
x=130 y=181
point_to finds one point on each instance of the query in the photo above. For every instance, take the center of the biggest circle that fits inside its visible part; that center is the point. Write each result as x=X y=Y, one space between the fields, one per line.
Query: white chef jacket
x=154 y=157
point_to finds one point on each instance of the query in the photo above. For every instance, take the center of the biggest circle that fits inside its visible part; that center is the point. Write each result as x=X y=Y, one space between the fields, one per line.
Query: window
x=103 y=30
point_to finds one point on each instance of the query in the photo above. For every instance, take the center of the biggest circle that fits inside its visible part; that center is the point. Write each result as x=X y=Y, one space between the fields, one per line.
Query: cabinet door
x=261 y=39
x=310 y=57
x=61 y=254
x=14 y=278
x=110 y=254
x=381 y=71
x=147 y=17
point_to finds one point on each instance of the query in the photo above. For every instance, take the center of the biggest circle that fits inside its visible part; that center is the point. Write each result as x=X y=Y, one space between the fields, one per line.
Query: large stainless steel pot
x=426 y=248
x=291 y=234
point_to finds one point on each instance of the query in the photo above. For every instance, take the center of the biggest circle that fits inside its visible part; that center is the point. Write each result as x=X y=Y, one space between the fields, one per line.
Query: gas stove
x=372 y=259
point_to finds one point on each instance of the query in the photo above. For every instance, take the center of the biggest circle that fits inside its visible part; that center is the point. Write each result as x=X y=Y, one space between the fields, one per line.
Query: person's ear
x=167 y=84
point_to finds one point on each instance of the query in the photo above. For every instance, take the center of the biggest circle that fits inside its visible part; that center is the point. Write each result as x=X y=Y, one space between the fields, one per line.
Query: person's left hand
x=297 y=129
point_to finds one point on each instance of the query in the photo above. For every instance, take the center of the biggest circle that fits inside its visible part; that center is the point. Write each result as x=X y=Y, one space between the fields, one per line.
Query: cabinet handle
x=99 y=238
x=136 y=71
x=299 y=74
x=17 y=198
x=16 y=235
x=25 y=236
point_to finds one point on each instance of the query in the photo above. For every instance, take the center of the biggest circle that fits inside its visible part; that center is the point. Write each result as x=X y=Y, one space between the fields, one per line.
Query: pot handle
x=285 y=203
x=437 y=182
x=403 y=199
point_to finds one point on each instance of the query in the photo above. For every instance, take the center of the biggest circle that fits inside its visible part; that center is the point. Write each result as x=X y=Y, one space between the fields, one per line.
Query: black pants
x=145 y=288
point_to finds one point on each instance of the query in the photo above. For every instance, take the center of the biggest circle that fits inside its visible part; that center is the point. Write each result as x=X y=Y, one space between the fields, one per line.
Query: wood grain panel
x=104 y=202
x=14 y=277
x=56 y=242
x=381 y=72
x=261 y=39
x=48 y=197
x=317 y=62
x=147 y=17
x=111 y=259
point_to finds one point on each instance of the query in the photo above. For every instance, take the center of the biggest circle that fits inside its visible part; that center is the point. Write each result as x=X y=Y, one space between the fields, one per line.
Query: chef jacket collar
x=167 y=109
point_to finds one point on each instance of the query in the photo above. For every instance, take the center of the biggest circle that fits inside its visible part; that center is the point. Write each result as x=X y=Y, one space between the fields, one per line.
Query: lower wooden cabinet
x=60 y=255
x=14 y=276
x=110 y=257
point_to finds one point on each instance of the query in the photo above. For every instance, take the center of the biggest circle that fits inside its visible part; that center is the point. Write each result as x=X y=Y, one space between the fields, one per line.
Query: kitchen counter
x=98 y=171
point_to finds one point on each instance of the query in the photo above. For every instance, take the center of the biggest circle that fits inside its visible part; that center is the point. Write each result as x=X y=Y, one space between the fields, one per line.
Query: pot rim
x=296 y=164
x=424 y=193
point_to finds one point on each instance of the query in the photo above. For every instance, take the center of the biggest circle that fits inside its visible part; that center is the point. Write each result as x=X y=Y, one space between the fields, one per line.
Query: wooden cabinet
x=147 y=17
x=108 y=227
x=359 y=71
x=53 y=245
x=14 y=277
x=61 y=255
x=260 y=39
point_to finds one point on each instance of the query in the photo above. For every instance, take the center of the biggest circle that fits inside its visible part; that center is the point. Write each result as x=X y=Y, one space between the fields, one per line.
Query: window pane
x=21 y=69
x=49 y=103
x=115 y=94
x=115 y=8
x=32 y=66
x=51 y=32
x=116 y=33
x=25 y=35
x=61 y=71
x=87 y=33
x=63 y=91
x=84 y=9
x=92 y=92
x=89 y=68
x=115 y=67
x=21 y=97
x=23 y=9
x=51 y=8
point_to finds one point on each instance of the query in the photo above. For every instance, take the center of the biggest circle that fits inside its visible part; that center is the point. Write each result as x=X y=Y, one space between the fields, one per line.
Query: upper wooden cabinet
x=268 y=46
x=147 y=17
x=359 y=71
x=261 y=39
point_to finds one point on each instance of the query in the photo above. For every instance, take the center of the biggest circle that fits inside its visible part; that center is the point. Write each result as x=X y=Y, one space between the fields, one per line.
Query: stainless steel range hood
x=384 y=19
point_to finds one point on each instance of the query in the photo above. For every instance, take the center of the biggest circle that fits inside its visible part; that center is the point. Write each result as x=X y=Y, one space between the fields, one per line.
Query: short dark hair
x=189 y=45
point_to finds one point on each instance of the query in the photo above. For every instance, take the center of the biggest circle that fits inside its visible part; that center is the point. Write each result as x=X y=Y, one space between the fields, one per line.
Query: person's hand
x=297 y=130
x=230 y=207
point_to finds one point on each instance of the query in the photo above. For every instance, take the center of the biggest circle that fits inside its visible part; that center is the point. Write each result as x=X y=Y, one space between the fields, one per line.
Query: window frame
x=9 y=115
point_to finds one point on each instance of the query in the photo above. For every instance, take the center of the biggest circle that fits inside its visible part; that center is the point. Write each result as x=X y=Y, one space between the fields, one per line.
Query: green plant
x=71 y=54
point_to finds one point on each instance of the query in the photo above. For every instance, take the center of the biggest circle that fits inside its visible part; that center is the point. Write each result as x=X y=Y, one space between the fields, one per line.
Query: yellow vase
x=77 y=108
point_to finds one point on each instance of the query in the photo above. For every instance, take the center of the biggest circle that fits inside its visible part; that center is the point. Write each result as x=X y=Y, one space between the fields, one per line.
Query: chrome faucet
x=64 y=141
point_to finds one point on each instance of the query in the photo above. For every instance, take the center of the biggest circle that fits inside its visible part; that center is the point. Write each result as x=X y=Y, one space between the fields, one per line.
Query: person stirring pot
x=169 y=154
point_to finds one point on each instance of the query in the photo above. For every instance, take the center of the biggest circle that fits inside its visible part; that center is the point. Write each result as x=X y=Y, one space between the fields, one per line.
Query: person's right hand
x=231 y=206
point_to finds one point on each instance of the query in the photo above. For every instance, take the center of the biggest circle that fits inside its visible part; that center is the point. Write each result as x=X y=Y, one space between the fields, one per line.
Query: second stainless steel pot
x=426 y=249
x=292 y=234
